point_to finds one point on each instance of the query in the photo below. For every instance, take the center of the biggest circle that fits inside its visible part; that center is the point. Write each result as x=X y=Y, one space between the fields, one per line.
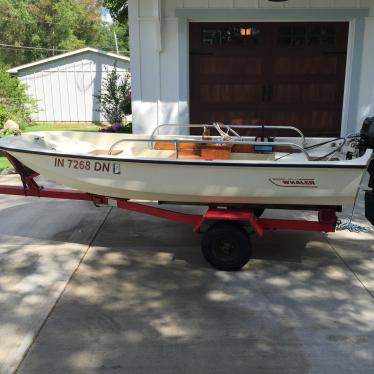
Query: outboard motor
x=369 y=195
x=367 y=133
x=367 y=141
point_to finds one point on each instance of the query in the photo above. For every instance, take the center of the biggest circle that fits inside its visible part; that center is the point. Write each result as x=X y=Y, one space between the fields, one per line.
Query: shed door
x=272 y=73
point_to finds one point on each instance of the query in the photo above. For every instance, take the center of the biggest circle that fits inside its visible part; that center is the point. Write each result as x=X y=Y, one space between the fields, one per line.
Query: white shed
x=64 y=85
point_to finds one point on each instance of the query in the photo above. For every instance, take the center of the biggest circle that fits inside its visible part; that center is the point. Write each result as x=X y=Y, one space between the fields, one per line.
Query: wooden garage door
x=272 y=73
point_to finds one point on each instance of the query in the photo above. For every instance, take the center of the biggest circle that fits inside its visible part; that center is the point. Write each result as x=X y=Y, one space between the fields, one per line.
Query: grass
x=62 y=126
x=4 y=163
x=47 y=126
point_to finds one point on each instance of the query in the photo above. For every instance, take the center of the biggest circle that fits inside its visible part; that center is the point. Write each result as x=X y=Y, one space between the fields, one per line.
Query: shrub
x=15 y=103
x=115 y=97
x=8 y=132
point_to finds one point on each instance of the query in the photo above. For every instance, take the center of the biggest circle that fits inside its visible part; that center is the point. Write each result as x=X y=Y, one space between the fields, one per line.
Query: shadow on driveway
x=144 y=301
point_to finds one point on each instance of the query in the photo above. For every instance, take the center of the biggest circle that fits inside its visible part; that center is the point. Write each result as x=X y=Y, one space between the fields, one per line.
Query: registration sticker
x=116 y=168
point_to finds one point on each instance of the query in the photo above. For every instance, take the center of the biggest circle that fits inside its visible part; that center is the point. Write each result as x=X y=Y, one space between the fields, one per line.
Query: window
x=230 y=35
x=294 y=35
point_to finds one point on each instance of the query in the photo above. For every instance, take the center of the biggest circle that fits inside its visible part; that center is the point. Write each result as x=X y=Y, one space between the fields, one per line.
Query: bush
x=15 y=103
x=115 y=97
x=8 y=132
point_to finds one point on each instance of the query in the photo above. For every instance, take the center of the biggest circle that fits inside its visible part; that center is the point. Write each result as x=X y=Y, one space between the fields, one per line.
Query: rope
x=347 y=224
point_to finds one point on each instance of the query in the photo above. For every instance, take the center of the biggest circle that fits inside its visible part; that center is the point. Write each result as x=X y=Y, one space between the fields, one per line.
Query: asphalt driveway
x=92 y=290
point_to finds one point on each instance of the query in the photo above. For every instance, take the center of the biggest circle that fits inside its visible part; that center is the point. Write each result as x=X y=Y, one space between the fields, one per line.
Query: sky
x=106 y=16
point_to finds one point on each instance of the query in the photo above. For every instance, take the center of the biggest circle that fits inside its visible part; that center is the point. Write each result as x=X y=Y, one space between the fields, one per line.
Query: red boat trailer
x=225 y=244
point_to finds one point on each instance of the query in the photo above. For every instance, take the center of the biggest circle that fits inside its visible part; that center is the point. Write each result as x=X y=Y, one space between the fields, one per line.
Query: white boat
x=220 y=169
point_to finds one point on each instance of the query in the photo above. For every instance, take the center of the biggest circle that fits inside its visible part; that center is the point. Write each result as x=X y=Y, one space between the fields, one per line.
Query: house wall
x=64 y=88
x=160 y=77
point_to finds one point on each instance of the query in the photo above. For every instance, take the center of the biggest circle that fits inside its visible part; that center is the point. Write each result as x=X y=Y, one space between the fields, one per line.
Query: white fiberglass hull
x=67 y=159
x=187 y=182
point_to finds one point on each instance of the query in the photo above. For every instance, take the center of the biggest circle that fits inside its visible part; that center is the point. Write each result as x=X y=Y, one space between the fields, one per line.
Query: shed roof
x=16 y=69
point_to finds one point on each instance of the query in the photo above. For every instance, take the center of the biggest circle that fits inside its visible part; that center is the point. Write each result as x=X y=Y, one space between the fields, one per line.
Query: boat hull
x=200 y=182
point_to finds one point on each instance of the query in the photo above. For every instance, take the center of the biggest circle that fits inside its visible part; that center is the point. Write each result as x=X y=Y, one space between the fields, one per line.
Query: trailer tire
x=226 y=246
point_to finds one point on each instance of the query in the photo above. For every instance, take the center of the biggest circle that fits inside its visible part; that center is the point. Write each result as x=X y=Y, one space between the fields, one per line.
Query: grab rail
x=230 y=128
x=212 y=141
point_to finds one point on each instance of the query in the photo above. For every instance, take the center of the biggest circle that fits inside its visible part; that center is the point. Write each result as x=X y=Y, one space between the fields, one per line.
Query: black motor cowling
x=369 y=206
x=369 y=195
x=367 y=141
x=367 y=133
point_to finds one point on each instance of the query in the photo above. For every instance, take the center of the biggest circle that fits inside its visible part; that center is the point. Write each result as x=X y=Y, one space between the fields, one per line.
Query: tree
x=66 y=24
x=54 y=25
x=118 y=9
x=105 y=37
x=12 y=31
x=115 y=97
x=15 y=103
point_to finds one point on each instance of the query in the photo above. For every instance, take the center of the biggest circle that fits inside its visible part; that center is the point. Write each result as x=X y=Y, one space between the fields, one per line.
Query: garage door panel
x=284 y=73
x=287 y=93
x=229 y=93
x=310 y=94
x=306 y=65
x=319 y=92
x=215 y=65
x=314 y=123
x=233 y=117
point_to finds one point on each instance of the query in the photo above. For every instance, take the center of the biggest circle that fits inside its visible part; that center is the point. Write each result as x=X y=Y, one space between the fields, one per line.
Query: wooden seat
x=216 y=151
x=242 y=148
x=184 y=149
x=211 y=151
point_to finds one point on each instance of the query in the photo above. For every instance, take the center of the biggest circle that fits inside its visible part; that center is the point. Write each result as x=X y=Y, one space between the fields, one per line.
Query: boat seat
x=211 y=151
x=216 y=151
x=243 y=148
x=184 y=149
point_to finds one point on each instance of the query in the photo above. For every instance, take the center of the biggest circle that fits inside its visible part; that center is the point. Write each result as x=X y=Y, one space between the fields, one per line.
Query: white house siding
x=155 y=74
x=64 y=88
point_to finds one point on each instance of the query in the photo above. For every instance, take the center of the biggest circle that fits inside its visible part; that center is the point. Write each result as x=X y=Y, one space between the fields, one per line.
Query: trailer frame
x=216 y=219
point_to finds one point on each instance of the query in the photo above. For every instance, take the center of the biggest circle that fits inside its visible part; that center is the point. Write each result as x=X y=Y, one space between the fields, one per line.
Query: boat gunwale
x=193 y=162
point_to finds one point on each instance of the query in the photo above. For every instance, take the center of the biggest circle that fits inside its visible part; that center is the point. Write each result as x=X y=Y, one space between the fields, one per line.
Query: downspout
x=157 y=15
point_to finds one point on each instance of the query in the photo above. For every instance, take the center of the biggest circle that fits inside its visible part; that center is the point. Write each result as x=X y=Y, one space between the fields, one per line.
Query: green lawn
x=46 y=126
x=4 y=163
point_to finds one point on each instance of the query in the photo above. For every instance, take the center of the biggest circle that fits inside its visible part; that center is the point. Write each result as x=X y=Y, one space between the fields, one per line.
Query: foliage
x=54 y=24
x=8 y=132
x=4 y=163
x=118 y=9
x=115 y=96
x=15 y=103
x=105 y=37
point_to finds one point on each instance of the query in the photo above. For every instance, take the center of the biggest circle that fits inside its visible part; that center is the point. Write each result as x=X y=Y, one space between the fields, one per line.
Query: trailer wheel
x=226 y=246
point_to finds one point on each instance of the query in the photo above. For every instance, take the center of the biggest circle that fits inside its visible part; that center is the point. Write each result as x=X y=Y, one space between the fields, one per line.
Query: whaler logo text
x=294 y=182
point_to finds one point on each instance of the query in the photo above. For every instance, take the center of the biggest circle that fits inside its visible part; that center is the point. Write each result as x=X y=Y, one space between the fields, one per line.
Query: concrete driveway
x=102 y=290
